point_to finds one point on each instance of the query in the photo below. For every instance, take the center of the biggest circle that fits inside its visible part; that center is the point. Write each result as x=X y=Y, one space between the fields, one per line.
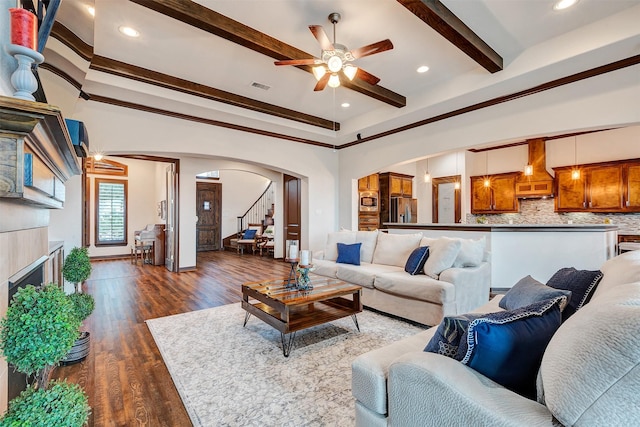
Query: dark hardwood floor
x=124 y=375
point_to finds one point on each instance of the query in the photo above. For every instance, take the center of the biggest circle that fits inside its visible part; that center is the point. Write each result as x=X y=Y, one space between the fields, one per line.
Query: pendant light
x=575 y=173
x=427 y=175
x=457 y=183
x=487 y=181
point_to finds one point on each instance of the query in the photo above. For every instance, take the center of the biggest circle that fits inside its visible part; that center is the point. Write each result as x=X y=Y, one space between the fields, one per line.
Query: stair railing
x=260 y=209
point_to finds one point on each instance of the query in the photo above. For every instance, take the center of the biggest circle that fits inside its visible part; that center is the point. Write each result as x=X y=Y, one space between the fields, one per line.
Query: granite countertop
x=507 y=227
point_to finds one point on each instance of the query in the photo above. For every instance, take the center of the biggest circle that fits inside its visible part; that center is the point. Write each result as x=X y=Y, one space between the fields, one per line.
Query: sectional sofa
x=456 y=276
x=589 y=374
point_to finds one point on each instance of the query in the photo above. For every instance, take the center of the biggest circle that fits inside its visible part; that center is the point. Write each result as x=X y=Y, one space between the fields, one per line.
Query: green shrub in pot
x=77 y=267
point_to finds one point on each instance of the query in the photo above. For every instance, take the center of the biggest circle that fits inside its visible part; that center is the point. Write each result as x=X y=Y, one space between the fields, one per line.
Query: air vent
x=260 y=86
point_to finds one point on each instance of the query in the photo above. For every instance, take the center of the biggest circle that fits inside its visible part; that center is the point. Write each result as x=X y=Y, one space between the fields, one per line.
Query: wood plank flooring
x=124 y=375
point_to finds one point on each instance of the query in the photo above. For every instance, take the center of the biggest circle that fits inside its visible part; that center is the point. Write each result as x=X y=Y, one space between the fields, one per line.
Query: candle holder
x=303 y=281
x=22 y=78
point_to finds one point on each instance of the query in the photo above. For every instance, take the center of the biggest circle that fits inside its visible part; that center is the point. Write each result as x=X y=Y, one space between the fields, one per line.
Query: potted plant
x=40 y=326
x=77 y=269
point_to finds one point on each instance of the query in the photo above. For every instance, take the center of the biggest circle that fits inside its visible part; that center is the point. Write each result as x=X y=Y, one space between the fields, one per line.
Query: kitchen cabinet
x=602 y=187
x=498 y=197
x=395 y=189
x=368 y=183
x=368 y=221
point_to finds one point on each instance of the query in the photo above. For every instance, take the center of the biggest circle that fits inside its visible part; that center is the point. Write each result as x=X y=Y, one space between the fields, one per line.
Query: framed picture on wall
x=162 y=209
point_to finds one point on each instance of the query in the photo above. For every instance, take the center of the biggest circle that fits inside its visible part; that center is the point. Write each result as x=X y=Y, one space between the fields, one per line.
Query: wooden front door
x=209 y=212
x=292 y=216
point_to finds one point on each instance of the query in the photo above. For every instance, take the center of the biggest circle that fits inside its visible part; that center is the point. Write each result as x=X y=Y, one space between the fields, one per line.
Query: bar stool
x=138 y=251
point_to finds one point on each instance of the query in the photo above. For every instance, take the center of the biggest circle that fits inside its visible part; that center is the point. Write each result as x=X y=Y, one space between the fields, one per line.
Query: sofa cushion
x=323 y=267
x=507 y=347
x=394 y=249
x=421 y=287
x=619 y=270
x=581 y=283
x=590 y=371
x=528 y=291
x=450 y=339
x=331 y=249
x=368 y=240
x=471 y=252
x=348 y=254
x=364 y=274
x=415 y=262
x=442 y=254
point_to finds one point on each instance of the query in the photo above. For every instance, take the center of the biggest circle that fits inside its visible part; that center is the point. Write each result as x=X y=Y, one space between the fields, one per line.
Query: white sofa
x=458 y=273
x=589 y=375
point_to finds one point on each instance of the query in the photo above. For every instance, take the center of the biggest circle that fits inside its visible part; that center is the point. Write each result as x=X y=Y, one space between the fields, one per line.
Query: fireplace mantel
x=36 y=153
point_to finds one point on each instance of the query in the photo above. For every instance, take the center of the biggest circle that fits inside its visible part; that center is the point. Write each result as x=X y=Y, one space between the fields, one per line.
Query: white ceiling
x=537 y=44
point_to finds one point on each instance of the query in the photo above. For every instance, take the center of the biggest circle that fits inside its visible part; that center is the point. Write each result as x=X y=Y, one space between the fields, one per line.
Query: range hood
x=540 y=182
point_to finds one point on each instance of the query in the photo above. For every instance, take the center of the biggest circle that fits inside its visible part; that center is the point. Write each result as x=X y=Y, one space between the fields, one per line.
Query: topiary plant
x=77 y=267
x=38 y=330
x=61 y=405
x=83 y=305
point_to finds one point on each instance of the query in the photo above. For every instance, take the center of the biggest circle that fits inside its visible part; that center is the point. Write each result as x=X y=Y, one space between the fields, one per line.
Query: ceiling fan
x=336 y=59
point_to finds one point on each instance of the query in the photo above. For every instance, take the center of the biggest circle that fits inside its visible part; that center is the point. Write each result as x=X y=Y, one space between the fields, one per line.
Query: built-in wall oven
x=368 y=201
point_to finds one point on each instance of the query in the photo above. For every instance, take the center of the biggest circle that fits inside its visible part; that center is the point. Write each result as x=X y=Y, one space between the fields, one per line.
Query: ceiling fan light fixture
x=334 y=63
x=319 y=71
x=334 y=81
x=350 y=71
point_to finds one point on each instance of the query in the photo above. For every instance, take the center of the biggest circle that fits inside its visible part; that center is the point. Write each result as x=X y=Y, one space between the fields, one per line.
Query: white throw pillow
x=331 y=250
x=394 y=249
x=442 y=254
x=619 y=270
x=368 y=240
x=471 y=252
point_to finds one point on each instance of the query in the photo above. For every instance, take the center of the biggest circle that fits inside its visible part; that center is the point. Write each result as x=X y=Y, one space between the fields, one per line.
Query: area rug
x=228 y=375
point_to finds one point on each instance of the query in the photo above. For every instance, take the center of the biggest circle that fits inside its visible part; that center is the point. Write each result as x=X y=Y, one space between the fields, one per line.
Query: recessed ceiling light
x=91 y=10
x=423 y=69
x=564 y=4
x=128 y=31
x=345 y=105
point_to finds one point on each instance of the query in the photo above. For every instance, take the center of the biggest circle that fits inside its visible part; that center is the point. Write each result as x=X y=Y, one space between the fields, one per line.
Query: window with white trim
x=110 y=212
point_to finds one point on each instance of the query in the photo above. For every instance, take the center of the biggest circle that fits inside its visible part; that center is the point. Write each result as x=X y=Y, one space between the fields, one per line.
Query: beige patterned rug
x=228 y=375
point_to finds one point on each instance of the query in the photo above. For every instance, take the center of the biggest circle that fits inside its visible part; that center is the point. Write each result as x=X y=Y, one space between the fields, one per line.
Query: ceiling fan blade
x=310 y=61
x=322 y=83
x=367 y=77
x=378 y=47
x=321 y=36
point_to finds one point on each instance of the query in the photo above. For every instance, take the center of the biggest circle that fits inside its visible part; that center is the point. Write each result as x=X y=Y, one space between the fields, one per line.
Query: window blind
x=111 y=212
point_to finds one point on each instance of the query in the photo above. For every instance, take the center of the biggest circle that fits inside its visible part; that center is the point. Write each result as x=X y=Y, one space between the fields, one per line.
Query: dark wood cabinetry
x=396 y=192
x=602 y=187
x=368 y=183
x=498 y=197
x=368 y=205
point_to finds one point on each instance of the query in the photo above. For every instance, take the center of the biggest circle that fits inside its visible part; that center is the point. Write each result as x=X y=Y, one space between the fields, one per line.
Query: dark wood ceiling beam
x=437 y=16
x=122 y=69
x=198 y=16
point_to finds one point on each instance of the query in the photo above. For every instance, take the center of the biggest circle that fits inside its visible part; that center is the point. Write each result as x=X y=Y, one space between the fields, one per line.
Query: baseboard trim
x=109 y=257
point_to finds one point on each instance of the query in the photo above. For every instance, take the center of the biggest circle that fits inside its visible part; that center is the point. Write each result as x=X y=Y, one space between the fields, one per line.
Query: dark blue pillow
x=581 y=283
x=415 y=262
x=507 y=346
x=349 y=254
x=249 y=234
x=450 y=338
x=528 y=291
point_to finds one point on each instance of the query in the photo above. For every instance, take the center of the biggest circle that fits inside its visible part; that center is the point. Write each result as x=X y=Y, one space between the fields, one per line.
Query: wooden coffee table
x=289 y=310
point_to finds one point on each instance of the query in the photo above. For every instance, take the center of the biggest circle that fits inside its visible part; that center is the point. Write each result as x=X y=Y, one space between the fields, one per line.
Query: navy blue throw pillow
x=349 y=254
x=415 y=262
x=450 y=338
x=249 y=234
x=528 y=291
x=581 y=283
x=508 y=346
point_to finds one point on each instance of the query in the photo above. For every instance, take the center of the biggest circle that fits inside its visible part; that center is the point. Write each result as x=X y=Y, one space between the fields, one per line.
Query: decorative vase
x=22 y=78
x=303 y=282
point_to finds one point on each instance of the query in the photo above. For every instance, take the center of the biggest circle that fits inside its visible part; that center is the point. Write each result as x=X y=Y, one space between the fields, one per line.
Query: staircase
x=261 y=212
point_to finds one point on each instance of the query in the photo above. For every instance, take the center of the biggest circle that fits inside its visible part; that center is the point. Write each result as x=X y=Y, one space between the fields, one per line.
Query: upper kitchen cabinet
x=498 y=197
x=368 y=183
x=601 y=187
x=399 y=185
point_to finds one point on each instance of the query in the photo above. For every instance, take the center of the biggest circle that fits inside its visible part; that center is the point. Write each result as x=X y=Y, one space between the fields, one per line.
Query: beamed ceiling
x=199 y=60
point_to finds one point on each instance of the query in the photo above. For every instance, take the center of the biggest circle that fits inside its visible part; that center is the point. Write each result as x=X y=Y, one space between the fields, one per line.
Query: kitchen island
x=539 y=250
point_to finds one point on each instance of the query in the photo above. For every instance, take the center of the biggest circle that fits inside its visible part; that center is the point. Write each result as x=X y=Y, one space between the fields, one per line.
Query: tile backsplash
x=540 y=211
